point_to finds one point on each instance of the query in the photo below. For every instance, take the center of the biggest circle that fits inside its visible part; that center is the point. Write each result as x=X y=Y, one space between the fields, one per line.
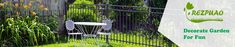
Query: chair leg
x=75 y=37
x=83 y=40
x=68 y=37
x=96 y=37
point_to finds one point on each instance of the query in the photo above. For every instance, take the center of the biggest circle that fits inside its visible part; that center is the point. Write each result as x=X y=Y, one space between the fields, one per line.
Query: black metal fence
x=136 y=25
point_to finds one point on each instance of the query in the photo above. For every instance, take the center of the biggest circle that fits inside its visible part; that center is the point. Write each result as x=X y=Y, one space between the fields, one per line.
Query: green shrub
x=52 y=23
x=24 y=31
x=20 y=27
x=78 y=4
x=80 y=11
x=50 y=20
x=83 y=15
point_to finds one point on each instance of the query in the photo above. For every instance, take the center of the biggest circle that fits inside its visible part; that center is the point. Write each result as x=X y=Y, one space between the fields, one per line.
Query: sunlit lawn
x=90 y=42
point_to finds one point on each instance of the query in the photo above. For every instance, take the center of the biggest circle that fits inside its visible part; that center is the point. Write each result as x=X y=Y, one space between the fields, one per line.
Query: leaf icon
x=189 y=6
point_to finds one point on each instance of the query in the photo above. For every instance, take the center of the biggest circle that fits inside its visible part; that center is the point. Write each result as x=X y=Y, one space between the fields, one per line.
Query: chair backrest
x=69 y=25
x=109 y=24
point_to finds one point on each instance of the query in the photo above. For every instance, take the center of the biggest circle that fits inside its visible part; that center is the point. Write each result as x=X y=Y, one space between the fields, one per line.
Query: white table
x=90 y=23
x=93 y=32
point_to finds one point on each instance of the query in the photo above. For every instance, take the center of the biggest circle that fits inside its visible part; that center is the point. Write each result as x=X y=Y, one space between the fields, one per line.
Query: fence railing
x=136 y=25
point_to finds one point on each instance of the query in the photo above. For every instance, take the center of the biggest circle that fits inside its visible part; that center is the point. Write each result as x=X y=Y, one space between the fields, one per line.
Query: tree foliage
x=81 y=11
x=128 y=19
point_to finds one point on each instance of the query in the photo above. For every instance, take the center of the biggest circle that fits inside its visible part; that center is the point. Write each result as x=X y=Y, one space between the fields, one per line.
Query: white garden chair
x=106 y=28
x=70 y=26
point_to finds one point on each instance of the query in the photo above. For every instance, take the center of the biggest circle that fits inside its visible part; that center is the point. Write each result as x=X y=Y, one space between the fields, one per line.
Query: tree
x=62 y=13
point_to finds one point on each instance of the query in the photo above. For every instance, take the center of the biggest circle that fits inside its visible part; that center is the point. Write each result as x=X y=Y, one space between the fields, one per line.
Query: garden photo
x=82 y=23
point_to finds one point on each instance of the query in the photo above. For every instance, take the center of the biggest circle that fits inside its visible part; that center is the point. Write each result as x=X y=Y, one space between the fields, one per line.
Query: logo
x=202 y=15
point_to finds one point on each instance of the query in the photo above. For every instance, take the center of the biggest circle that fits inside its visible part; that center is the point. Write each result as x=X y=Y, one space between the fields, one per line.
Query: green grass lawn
x=140 y=39
x=90 y=42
